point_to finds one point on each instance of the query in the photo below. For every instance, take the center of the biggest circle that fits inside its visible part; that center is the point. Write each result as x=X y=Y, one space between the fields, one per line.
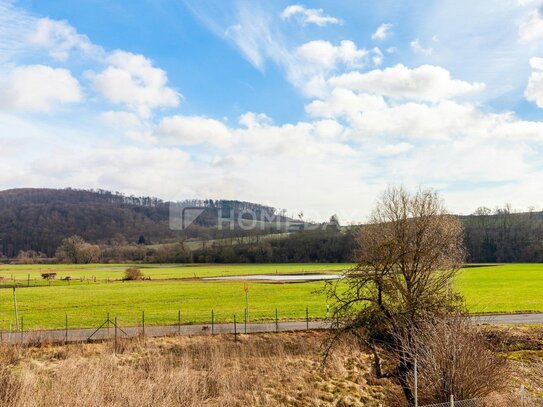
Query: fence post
x=276 y=321
x=108 y=325
x=66 y=330
x=22 y=328
x=245 y=319
x=452 y=400
x=307 y=317
x=212 y=321
x=179 y=322
x=115 y=335
x=235 y=330
x=143 y=323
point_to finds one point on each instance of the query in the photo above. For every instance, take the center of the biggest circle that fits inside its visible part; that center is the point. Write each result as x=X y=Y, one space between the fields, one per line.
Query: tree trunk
x=405 y=369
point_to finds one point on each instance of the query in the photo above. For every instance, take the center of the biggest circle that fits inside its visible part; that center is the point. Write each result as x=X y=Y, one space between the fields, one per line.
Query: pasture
x=181 y=288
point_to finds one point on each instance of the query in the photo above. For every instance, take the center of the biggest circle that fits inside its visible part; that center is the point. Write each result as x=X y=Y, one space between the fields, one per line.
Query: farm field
x=174 y=288
x=104 y=272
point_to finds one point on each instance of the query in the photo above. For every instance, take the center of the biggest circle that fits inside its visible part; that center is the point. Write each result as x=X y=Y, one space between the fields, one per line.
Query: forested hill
x=38 y=219
x=503 y=235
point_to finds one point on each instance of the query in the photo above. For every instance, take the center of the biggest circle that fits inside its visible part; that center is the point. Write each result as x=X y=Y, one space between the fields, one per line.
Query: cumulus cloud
x=418 y=48
x=308 y=15
x=534 y=89
x=132 y=80
x=194 y=130
x=328 y=56
x=251 y=119
x=38 y=88
x=345 y=103
x=60 y=38
x=314 y=61
x=532 y=28
x=426 y=82
x=395 y=149
x=382 y=32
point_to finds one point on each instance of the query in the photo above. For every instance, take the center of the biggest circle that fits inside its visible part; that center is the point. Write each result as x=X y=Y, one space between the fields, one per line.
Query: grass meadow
x=180 y=288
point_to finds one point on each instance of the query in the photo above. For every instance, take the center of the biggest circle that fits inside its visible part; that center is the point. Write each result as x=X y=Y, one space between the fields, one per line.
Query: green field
x=173 y=288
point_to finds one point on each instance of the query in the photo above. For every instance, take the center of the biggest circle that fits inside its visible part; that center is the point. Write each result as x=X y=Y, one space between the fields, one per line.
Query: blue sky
x=313 y=106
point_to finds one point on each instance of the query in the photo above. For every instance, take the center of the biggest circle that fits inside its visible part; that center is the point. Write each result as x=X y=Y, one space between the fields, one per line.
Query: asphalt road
x=108 y=331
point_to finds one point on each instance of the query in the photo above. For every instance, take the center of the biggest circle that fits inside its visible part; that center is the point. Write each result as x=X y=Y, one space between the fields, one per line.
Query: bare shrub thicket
x=454 y=357
x=133 y=273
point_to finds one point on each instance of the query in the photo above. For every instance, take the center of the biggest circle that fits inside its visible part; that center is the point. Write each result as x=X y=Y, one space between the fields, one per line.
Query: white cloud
x=426 y=82
x=123 y=120
x=314 y=61
x=251 y=119
x=38 y=88
x=536 y=63
x=345 y=103
x=60 y=38
x=532 y=28
x=395 y=149
x=308 y=15
x=226 y=161
x=534 y=89
x=132 y=80
x=418 y=48
x=328 y=56
x=194 y=130
x=382 y=32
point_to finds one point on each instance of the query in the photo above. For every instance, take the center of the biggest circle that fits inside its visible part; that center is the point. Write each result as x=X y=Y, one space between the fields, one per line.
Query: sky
x=314 y=106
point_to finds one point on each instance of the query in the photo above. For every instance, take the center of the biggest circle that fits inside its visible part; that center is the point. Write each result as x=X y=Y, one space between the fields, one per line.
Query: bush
x=454 y=357
x=133 y=273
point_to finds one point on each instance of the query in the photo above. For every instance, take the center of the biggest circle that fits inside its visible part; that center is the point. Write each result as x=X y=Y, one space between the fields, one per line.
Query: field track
x=109 y=332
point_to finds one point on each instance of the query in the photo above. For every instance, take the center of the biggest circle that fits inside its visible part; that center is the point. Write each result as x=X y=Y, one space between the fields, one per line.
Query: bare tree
x=407 y=257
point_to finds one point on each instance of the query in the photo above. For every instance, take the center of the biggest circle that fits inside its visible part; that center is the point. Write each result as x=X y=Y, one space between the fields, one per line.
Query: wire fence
x=145 y=324
x=520 y=398
x=459 y=403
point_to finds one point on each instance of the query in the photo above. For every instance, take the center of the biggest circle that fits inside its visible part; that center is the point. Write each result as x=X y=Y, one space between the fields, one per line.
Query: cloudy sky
x=313 y=106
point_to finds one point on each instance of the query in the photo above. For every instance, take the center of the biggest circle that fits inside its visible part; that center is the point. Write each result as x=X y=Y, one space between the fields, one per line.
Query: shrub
x=133 y=273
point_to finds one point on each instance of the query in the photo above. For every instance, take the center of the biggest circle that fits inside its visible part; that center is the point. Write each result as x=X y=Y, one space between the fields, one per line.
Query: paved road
x=79 y=335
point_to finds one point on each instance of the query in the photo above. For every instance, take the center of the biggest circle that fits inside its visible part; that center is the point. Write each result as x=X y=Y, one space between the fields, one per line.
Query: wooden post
x=179 y=322
x=15 y=308
x=115 y=335
x=22 y=328
x=143 y=323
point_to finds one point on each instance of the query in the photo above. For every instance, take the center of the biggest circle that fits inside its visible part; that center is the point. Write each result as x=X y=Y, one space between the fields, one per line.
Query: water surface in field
x=280 y=277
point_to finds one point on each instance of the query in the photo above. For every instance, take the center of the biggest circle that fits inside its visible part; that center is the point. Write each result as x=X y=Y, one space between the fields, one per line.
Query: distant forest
x=114 y=227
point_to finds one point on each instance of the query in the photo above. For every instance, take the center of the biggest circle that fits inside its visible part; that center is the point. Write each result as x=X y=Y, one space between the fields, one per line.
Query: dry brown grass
x=258 y=370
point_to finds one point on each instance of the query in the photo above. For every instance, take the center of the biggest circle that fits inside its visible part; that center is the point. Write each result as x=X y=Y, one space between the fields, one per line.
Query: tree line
x=34 y=222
